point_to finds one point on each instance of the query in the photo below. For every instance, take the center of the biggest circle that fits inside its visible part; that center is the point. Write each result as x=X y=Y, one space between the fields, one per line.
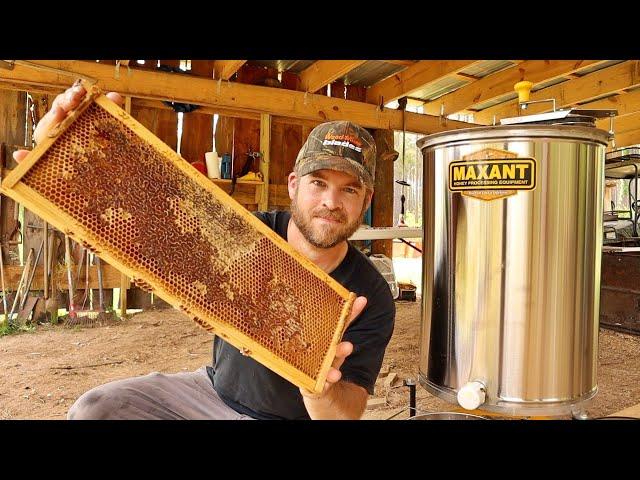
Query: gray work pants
x=157 y=396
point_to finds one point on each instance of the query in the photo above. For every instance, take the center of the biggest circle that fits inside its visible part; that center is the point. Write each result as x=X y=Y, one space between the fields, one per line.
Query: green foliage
x=9 y=329
x=412 y=174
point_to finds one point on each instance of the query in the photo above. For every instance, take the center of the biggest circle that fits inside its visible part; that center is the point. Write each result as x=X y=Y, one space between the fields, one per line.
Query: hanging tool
x=249 y=166
x=31 y=275
x=402 y=103
x=91 y=317
x=23 y=277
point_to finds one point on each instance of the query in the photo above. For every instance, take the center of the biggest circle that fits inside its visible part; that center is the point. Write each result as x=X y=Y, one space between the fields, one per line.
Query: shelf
x=246 y=192
x=380 y=233
x=223 y=181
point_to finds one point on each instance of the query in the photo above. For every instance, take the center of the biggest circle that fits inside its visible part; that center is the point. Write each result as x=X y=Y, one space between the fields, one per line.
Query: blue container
x=225 y=166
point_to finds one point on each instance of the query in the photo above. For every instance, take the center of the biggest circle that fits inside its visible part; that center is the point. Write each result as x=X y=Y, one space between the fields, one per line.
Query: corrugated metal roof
x=370 y=72
x=374 y=71
x=366 y=74
x=493 y=101
x=487 y=67
x=440 y=87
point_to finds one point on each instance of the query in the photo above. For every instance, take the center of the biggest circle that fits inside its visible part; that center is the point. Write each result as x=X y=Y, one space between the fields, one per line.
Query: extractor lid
x=571 y=116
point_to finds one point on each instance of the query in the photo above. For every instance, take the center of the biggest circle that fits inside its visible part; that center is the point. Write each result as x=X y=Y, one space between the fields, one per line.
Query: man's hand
x=62 y=105
x=338 y=399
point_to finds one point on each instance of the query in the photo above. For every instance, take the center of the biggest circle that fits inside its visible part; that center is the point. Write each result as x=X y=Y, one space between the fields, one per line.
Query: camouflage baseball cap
x=342 y=146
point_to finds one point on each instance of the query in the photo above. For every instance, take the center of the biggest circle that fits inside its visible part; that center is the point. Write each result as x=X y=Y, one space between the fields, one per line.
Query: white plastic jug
x=213 y=164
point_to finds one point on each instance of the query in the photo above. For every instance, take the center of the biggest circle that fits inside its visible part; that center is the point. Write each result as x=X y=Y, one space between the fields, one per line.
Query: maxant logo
x=503 y=174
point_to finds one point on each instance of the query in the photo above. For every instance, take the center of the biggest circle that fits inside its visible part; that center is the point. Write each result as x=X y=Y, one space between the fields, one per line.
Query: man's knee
x=96 y=404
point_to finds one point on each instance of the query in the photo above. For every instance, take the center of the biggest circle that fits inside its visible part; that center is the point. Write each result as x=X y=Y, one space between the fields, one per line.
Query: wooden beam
x=628 y=138
x=5 y=85
x=502 y=82
x=608 y=80
x=323 y=72
x=141 y=102
x=382 y=206
x=265 y=163
x=406 y=82
x=226 y=68
x=624 y=103
x=231 y=95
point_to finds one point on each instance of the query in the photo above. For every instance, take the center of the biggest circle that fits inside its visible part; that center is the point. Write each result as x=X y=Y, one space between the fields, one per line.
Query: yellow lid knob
x=523 y=88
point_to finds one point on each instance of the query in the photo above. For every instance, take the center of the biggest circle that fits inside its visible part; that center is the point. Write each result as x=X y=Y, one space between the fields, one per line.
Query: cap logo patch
x=343 y=144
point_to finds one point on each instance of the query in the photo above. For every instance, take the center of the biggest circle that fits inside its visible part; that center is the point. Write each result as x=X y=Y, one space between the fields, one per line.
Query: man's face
x=327 y=206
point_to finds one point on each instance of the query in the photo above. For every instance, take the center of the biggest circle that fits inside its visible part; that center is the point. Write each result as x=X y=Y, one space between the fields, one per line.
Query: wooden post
x=13 y=136
x=124 y=284
x=265 y=149
x=383 y=196
x=124 y=280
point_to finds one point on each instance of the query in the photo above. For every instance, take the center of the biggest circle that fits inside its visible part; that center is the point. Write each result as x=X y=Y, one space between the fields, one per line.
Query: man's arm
x=338 y=399
x=343 y=401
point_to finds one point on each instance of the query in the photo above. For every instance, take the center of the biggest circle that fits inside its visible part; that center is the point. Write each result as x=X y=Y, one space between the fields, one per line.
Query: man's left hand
x=343 y=350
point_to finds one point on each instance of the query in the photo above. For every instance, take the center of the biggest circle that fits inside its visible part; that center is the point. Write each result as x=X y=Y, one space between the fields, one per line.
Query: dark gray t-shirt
x=250 y=388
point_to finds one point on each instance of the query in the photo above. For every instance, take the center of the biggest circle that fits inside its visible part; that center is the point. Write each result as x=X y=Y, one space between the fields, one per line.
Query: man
x=330 y=189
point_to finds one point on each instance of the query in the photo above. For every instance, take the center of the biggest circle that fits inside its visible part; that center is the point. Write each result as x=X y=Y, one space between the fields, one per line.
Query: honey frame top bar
x=19 y=191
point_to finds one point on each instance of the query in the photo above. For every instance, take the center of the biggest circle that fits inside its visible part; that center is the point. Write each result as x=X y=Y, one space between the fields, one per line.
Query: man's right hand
x=62 y=105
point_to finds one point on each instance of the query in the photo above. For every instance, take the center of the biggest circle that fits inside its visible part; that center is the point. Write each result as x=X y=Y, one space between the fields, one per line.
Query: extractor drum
x=511 y=266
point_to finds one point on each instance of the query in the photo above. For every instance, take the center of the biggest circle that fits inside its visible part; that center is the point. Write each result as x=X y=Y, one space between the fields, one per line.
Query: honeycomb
x=146 y=213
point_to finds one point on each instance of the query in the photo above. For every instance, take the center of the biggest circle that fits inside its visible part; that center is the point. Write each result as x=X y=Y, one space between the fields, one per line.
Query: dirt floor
x=42 y=372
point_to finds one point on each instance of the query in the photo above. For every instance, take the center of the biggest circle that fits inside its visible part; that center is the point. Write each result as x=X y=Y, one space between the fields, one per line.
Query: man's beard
x=324 y=235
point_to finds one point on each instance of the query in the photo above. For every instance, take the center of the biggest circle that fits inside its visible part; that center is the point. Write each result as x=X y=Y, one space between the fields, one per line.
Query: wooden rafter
x=230 y=96
x=323 y=72
x=404 y=63
x=415 y=77
x=624 y=103
x=605 y=81
x=502 y=82
x=226 y=68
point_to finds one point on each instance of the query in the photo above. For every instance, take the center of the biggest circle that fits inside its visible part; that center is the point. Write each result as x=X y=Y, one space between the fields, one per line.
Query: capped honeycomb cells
x=148 y=214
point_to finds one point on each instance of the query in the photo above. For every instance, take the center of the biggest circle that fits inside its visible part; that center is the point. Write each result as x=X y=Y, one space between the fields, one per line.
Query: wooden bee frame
x=110 y=184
